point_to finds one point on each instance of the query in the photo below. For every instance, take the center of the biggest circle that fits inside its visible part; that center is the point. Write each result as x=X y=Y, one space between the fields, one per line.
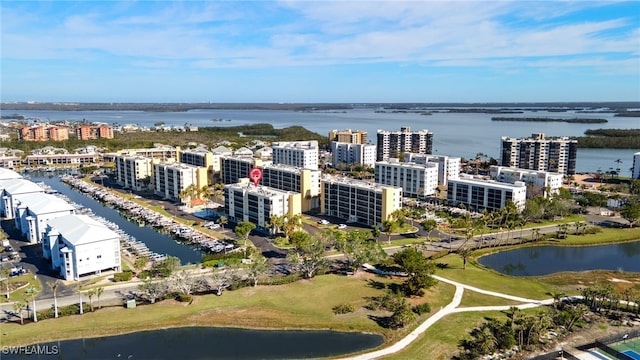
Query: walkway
x=451 y=308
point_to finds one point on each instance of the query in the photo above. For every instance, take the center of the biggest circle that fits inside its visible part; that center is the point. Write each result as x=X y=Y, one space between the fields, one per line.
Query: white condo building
x=448 y=167
x=635 y=171
x=10 y=190
x=303 y=154
x=485 y=194
x=256 y=204
x=358 y=201
x=34 y=210
x=79 y=245
x=542 y=179
x=391 y=144
x=349 y=153
x=133 y=172
x=416 y=180
x=171 y=179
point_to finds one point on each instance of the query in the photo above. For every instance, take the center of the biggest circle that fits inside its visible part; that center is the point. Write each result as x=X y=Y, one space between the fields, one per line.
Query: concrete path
x=451 y=308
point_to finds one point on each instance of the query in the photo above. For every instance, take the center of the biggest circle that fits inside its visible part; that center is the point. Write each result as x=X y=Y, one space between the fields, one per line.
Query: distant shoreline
x=613 y=106
x=541 y=119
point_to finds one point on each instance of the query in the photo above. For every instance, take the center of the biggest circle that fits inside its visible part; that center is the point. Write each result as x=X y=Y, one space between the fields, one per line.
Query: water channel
x=155 y=241
x=545 y=260
x=195 y=343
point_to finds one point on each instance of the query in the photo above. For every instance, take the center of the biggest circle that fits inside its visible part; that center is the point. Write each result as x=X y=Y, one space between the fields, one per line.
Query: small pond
x=544 y=260
x=195 y=343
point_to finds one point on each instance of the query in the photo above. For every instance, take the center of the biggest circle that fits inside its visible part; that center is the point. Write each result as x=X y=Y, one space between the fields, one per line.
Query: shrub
x=422 y=308
x=184 y=297
x=123 y=276
x=343 y=309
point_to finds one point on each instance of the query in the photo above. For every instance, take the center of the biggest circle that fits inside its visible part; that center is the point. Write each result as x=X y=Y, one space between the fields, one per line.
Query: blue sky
x=326 y=51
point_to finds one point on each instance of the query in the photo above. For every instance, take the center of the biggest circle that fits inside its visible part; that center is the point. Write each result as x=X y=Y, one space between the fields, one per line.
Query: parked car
x=323 y=222
x=342 y=226
x=4 y=259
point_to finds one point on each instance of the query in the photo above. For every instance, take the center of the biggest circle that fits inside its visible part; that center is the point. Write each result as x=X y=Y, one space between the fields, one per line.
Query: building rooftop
x=19 y=186
x=357 y=183
x=7 y=174
x=44 y=203
x=81 y=229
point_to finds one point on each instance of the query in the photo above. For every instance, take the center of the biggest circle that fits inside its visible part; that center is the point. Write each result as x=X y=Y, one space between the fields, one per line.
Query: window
x=99 y=256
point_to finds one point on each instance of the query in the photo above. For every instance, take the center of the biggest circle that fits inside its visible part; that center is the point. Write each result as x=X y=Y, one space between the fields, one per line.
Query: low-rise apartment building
x=11 y=190
x=358 y=201
x=416 y=180
x=34 y=210
x=91 y=132
x=78 y=245
x=477 y=194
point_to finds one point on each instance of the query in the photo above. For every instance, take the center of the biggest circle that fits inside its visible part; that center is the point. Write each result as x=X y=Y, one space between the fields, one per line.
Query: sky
x=320 y=51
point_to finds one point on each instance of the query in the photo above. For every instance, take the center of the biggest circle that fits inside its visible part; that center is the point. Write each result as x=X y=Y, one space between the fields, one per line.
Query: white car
x=342 y=226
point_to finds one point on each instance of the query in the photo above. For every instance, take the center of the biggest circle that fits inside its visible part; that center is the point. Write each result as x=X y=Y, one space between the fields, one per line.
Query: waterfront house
x=9 y=191
x=34 y=210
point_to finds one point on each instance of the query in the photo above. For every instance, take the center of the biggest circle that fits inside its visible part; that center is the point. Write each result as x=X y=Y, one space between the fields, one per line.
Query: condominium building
x=348 y=136
x=218 y=153
x=257 y=204
x=10 y=162
x=163 y=153
x=43 y=133
x=541 y=179
x=199 y=157
x=358 y=201
x=235 y=168
x=479 y=194
x=11 y=190
x=171 y=179
x=416 y=180
x=635 y=171
x=34 y=210
x=448 y=167
x=348 y=153
x=79 y=245
x=293 y=179
x=62 y=159
x=540 y=153
x=303 y=154
x=391 y=144
x=90 y=132
x=134 y=172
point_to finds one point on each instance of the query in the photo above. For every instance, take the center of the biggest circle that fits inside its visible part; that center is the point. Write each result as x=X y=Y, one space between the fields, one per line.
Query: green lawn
x=305 y=304
x=472 y=298
x=479 y=277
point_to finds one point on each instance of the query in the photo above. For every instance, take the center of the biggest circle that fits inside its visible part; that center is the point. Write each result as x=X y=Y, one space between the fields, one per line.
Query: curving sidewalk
x=451 y=308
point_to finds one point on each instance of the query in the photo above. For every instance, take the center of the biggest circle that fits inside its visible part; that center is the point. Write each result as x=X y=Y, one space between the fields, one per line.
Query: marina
x=147 y=217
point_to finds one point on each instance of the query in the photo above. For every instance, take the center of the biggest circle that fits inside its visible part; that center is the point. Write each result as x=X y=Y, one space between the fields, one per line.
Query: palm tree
x=54 y=287
x=99 y=292
x=18 y=306
x=464 y=253
x=222 y=221
x=389 y=226
x=536 y=233
x=91 y=293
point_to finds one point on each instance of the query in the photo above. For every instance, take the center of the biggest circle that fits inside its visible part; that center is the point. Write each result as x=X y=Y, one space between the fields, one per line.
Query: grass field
x=305 y=304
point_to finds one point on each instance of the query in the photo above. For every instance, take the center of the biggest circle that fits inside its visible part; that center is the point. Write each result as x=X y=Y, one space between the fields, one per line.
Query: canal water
x=155 y=241
x=195 y=343
x=545 y=260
